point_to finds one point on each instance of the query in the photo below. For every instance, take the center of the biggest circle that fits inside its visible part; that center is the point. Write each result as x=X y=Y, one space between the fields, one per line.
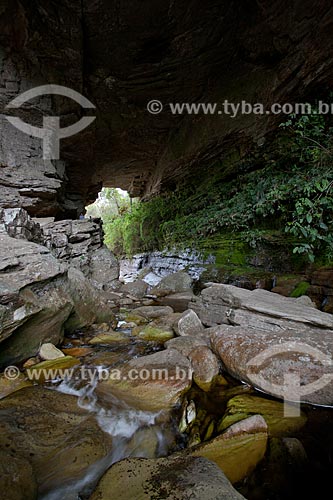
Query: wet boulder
x=48 y=430
x=180 y=478
x=150 y=383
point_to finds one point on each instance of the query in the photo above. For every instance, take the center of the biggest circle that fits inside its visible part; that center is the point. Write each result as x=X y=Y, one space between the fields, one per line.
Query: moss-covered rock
x=153 y=333
x=110 y=337
x=243 y=406
x=239 y=449
x=50 y=370
x=132 y=317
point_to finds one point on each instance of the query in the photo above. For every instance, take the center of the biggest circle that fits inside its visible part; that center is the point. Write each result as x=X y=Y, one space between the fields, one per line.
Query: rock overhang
x=121 y=55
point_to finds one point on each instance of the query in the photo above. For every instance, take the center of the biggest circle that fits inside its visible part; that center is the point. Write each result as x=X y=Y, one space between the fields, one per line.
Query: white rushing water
x=121 y=422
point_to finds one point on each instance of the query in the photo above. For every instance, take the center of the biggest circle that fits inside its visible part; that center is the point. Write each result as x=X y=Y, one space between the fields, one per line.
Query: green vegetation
x=285 y=190
x=312 y=217
x=300 y=289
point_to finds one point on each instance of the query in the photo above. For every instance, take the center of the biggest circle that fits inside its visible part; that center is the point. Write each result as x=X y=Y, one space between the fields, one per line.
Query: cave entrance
x=110 y=203
x=112 y=206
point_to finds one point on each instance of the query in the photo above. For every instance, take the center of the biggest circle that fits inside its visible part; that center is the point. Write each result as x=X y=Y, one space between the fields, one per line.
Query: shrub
x=289 y=188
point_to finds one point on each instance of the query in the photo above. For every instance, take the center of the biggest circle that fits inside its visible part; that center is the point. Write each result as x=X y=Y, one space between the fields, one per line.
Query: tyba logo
x=51 y=133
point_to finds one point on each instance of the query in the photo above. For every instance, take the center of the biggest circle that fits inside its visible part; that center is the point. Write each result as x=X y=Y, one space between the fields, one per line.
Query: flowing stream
x=128 y=427
x=137 y=433
x=121 y=423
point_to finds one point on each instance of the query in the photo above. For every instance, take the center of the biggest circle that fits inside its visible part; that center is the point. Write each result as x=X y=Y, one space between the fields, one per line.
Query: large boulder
x=90 y=304
x=189 y=324
x=174 y=283
x=34 y=302
x=80 y=244
x=205 y=366
x=178 y=301
x=136 y=288
x=173 y=478
x=103 y=269
x=72 y=240
x=227 y=304
x=280 y=345
x=48 y=430
x=17 y=223
x=186 y=344
x=239 y=449
x=40 y=296
x=150 y=383
x=153 y=312
x=204 y=363
x=289 y=363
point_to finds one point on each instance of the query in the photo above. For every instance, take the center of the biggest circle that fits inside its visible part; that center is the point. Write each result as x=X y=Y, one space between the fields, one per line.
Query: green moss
x=56 y=368
x=226 y=250
x=300 y=289
x=241 y=407
x=240 y=207
x=152 y=333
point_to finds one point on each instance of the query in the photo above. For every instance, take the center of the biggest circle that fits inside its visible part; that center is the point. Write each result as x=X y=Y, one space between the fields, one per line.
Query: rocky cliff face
x=52 y=278
x=78 y=243
x=121 y=55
